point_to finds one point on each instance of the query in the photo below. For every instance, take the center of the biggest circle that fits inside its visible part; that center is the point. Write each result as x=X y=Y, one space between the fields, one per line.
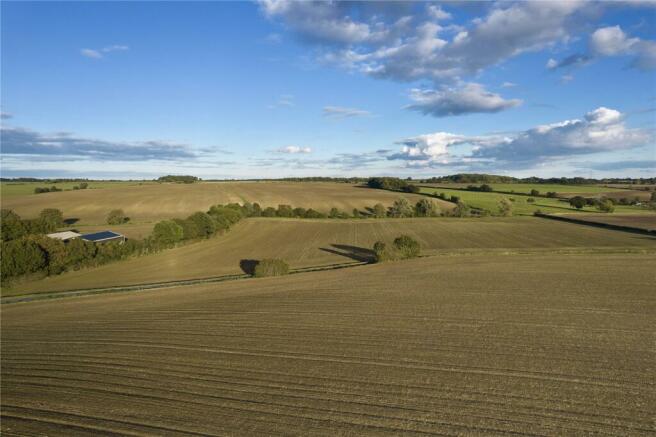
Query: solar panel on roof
x=104 y=235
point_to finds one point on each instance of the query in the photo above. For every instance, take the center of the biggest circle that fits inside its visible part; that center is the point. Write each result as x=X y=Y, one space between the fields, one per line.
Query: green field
x=524 y=345
x=490 y=201
x=152 y=202
x=12 y=189
x=305 y=243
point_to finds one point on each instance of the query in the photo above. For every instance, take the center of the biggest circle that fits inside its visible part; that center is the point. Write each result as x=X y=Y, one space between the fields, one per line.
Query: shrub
x=189 y=229
x=505 y=207
x=117 y=217
x=461 y=210
x=379 y=211
x=653 y=196
x=455 y=199
x=285 y=211
x=552 y=194
x=271 y=267
x=299 y=212
x=202 y=224
x=83 y=185
x=407 y=247
x=427 y=208
x=313 y=214
x=79 y=253
x=269 y=212
x=257 y=210
x=606 y=205
x=380 y=252
x=11 y=225
x=530 y=200
x=411 y=189
x=356 y=213
x=535 y=192
x=401 y=208
x=577 y=202
x=167 y=232
x=20 y=257
x=52 y=217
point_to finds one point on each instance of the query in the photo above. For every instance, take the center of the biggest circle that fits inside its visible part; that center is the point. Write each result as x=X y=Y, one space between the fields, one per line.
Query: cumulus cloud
x=339 y=112
x=469 y=98
x=19 y=141
x=612 y=41
x=294 y=149
x=417 y=45
x=100 y=53
x=601 y=130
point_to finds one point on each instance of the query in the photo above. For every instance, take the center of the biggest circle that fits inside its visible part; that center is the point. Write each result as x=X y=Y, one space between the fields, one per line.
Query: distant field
x=643 y=221
x=524 y=345
x=152 y=202
x=11 y=189
x=490 y=201
x=318 y=242
x=542 y=188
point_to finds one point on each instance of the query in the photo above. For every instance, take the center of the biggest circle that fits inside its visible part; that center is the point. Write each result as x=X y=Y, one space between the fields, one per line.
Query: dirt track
x=466 y=345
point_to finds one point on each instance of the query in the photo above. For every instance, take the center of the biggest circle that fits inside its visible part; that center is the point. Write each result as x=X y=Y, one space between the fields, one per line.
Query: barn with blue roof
x=103 y=237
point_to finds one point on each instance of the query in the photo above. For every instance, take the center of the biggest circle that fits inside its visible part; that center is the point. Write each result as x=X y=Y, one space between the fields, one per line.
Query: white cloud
x=341 y=112
x=508 y=85
x=294 y=150
x=438 y=13
x=601 y=130
x=100 y=53
x=90 y=53
x=566 y=78
x=611 y=41
x=465 y=99
x=552 y=63
x=284 y=101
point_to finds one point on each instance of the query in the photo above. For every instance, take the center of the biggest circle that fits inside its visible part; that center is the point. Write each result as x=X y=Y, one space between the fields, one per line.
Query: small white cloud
x=115 y=48
x=611 y=41
x=341 y=112
x=508 y=85
x=465 y=99
x=90 y=53
x=438 y=13
x=552 y=63
x=566 y=78
x=284 y=101
x=294 y=150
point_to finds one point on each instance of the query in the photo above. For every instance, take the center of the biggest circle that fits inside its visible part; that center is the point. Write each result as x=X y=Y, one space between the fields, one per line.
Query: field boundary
x=598 y=224
x=33 y=297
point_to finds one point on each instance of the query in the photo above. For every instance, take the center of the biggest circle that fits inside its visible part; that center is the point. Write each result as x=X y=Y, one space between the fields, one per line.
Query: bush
x=271 y=267
x=407 y=247
x=189 y=229
x=11 y=225
x=167 y=233
x=577 y=202
x=380 y=252
x=52 y=218
x=285 y=211
x=552 y=194
x=401 y=208
x=535 y=192
x=299 y=212
x=530 y=200
x=427 y=208
x=20 y=257
x=411 y=189
x=606 y=205
x=203 y=224
x=269 y=212
x=117 y=217
x=313 y=214
x=84 y=185
x=455 y=199
x=379 y=211
x=461 y=210
x=505 y=207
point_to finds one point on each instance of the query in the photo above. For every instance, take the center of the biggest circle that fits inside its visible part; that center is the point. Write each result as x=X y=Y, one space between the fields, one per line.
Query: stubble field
x=304 y=243
x=535 y=345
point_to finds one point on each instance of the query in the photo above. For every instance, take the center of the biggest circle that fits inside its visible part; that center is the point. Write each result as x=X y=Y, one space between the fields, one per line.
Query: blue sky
x=278 y=88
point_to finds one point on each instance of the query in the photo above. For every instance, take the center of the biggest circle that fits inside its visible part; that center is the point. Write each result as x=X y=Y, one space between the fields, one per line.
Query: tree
x=461 y=210
x=80 y=252
x=116 y=217
x=380 y=252
x=407 y=247
x=56 y=252
x=412 y=189
x=257 y=210
x=552 y=194
x=271 y=267
x=606 y=205
x=52 y=217
x=167 y=232
x=401 y=208
x=577 y=202
x=83 y=185
x=299 y=212
x=203 y=224
x=356 y=213
x=285 y=211
x=653 y=196
x=426 y=208
x=269 y=212
x=334 y=213
x=11 y=225
x=530 y=200
x=313 y=214
x=505 y=207
x=379 y=211
x=535 y=192
x=20 y=257
x=189 y=229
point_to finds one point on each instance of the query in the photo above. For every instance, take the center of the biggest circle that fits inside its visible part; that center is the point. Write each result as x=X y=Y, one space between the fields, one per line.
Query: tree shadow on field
x=71 y=221
x=353 y=252
x=248 y=266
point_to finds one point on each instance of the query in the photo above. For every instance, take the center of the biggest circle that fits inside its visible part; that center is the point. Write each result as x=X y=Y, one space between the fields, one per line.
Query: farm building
x=103 y=237
x=64 y=236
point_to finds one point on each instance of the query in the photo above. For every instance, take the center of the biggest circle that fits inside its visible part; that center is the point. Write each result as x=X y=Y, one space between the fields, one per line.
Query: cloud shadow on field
x=248 y=266
x=353 y=252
